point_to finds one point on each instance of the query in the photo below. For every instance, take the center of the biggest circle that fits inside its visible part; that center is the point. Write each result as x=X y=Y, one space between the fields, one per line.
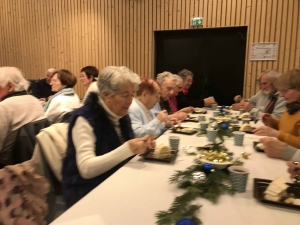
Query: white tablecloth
x=140 y=188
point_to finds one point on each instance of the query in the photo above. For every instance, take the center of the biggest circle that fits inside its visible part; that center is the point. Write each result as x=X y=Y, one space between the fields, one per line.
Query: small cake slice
x=276 y=190
x=246 y=128
x=245 y=115
x=260 y=146
x=162 y=151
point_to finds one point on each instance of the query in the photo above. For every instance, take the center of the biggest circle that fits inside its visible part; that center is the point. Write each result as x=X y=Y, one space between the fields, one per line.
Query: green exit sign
x=197 y=21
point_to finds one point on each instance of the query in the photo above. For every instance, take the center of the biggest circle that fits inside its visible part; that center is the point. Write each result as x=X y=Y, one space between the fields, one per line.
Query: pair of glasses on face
x=53 y=80
x=284 y=91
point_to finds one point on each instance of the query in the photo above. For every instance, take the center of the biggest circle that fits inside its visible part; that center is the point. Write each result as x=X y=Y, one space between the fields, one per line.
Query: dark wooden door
x=216 y=56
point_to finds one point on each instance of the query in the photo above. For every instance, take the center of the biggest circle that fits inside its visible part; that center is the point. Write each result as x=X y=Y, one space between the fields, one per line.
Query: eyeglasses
x=284 y=91
x=126 y=95
x=53 y=80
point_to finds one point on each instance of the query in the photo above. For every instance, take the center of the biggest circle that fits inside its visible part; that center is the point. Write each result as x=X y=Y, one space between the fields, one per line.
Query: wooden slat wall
x=36 y=35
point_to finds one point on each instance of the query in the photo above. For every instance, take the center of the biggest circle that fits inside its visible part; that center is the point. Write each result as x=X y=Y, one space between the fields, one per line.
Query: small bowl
x=216 y=165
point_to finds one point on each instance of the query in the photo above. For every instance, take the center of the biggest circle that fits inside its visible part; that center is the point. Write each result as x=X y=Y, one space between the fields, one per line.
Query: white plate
x=216 y=165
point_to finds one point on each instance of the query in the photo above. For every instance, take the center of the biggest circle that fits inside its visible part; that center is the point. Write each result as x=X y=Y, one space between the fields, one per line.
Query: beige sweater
x=14 y=113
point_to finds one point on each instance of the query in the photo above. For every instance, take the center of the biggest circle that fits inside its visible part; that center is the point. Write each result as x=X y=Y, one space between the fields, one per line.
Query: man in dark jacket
x=42 y=89
x=184 y=98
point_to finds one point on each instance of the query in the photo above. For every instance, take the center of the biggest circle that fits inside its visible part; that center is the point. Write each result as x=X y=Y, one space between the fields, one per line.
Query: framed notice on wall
x=263 y=51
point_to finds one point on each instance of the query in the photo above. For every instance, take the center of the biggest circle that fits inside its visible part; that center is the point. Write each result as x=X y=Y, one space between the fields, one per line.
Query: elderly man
x=43 y=88
x=167 y=85
x=278 y=149
x=143 y=121
x=184 y=98
x=267 y=100
x=17 y=108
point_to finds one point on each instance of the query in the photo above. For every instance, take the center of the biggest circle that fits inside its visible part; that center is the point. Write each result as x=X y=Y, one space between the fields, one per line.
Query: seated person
x=167 y=85
x=267 y=100
x=17 y=108
x=65 y=100
x=278 y=149
x=88 y=78
x=143 y=121
x=173 y=100
x=100 y=137
x=184 y=98
x=287 y=128
x=42 y=89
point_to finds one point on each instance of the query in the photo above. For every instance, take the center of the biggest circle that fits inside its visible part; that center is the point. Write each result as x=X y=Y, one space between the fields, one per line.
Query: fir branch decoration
x=222 y=124
x=217 y=183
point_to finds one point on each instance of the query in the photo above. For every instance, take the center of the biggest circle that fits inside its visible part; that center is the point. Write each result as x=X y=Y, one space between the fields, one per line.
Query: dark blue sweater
x=74 y=186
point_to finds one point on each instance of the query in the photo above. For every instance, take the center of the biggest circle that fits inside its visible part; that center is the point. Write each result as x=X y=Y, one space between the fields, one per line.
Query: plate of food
x=184 y=130
x=277 y=193
x=246 y=115
x=191 y=119
x=218 y=159
x=259 y=147
x=235 y=128
x=199 y=111
x=247 y=128
x=161 y=153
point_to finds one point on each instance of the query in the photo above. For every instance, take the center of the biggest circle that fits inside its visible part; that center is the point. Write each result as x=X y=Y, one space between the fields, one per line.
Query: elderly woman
x=173 y=100
x=287 y=128
x=65 y=100
x=185 y=98
x=16 y=109
x=143 y=121
x=100 y=137
x=88 y=77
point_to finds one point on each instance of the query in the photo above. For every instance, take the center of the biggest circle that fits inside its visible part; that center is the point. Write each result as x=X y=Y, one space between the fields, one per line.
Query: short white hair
x=177 y=79
x=161 y=77
x=15 y=76
x=112 y=77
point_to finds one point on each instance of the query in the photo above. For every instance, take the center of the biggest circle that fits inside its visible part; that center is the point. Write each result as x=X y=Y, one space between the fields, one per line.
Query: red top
x=173 y=104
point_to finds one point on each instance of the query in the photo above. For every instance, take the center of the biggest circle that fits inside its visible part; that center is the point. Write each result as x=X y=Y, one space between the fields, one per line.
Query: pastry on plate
x=246 y=128
x=162 y=151
x=199 y=111
x=276 y=190
x=260 y=146
x=245 y=115
x=187 y=130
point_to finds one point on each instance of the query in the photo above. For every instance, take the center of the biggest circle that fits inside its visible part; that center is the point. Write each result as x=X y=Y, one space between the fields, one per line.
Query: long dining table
x=141 y=188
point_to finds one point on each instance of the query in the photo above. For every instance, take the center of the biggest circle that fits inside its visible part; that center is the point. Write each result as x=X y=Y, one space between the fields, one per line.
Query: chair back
x=66 y=117
x=55 y=200
x=25 y=141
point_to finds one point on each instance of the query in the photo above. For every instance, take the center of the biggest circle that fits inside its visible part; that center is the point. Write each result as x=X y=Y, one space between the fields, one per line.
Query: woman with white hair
x=17 y=108
x=100 y=137
x=173 y=100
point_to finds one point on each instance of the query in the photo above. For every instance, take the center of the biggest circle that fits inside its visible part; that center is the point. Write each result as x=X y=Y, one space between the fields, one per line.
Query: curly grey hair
x=184 y=73
x=112 y=77
x=15 y=76
x=177 y=79
x=161 y=77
